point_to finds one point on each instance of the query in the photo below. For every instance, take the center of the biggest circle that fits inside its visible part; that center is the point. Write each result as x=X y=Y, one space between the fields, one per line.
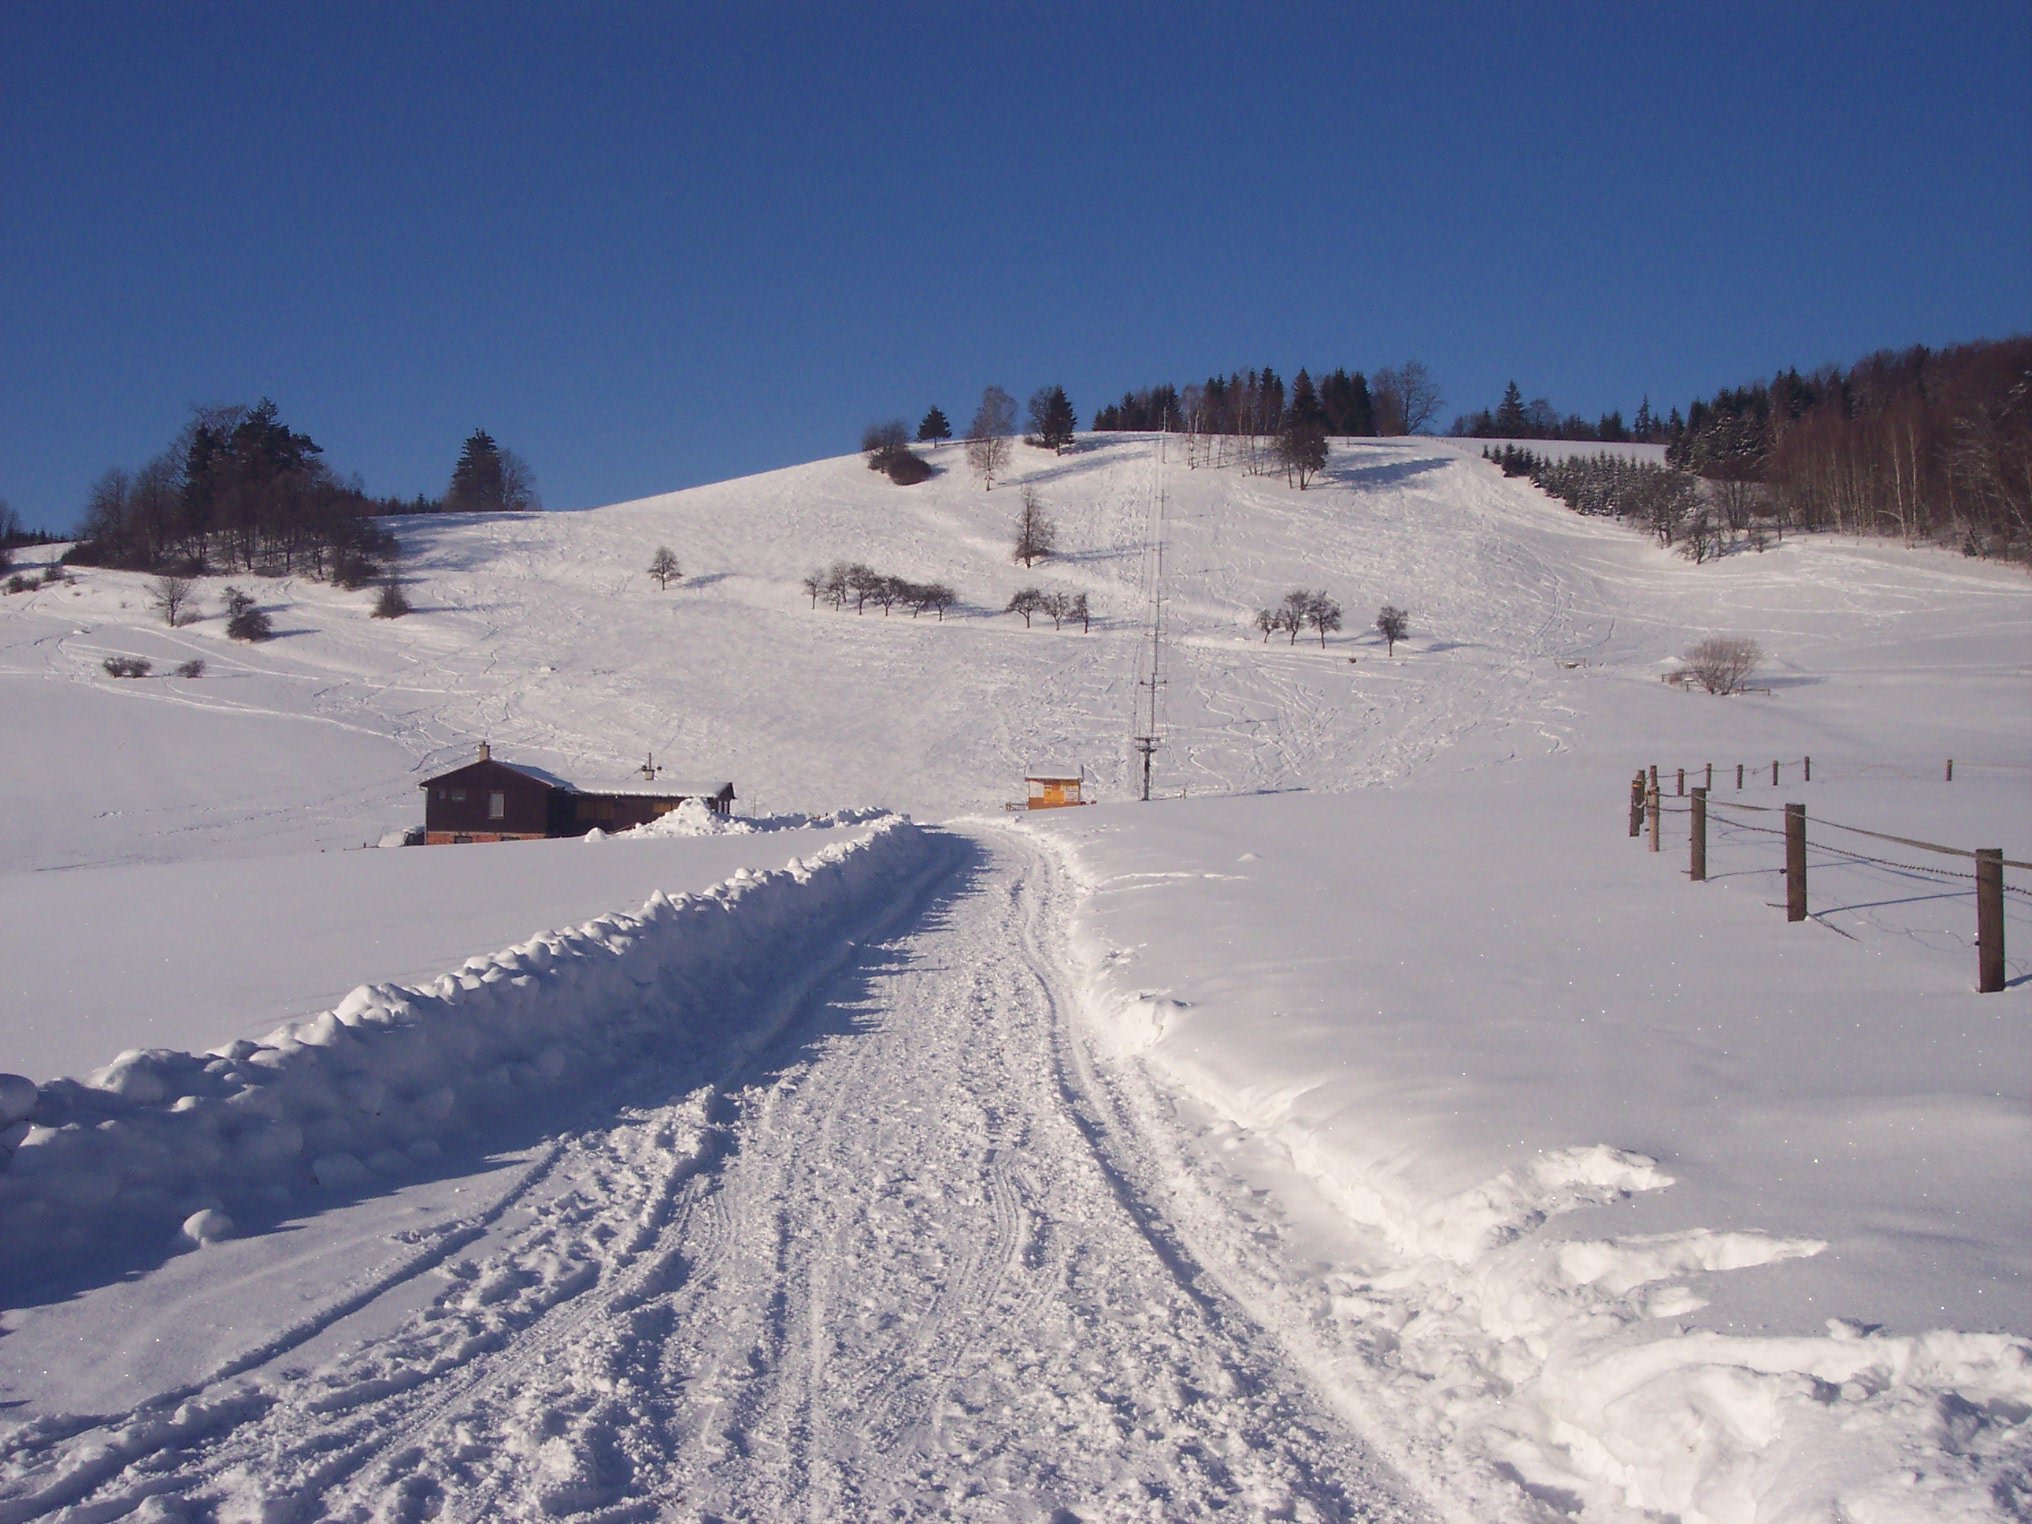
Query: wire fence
x=1988 y=864
x=1748 y=775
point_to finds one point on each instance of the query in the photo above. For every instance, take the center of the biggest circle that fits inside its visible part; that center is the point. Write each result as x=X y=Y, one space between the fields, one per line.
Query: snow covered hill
x=1571 y=1188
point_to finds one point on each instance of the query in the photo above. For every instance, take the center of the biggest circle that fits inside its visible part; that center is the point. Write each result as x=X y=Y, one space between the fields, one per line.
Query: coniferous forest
x=238 y=489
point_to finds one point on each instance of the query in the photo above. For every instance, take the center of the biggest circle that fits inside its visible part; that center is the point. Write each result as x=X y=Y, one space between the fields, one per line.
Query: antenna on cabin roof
x=650 y=769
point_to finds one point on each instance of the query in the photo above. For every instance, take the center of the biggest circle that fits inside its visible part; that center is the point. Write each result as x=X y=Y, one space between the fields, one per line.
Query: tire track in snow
x=914 y=1266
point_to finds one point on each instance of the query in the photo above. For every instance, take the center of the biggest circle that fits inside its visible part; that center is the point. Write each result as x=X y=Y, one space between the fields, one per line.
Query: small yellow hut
x=1053 y=788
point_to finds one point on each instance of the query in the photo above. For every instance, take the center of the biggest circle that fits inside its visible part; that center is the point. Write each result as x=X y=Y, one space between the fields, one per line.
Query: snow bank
x=1620 y=1221
x=162 y=1143
x=692 y=818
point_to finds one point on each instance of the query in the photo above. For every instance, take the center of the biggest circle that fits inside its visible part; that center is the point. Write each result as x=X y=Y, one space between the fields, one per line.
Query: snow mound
x=162 y=1145
x=692 y=818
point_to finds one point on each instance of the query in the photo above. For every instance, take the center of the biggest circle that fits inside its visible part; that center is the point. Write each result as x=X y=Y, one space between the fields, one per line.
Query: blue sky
x=654 y=245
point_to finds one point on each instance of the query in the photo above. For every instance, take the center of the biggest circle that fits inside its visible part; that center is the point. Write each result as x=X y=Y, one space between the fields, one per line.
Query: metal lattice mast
x=1150 y=668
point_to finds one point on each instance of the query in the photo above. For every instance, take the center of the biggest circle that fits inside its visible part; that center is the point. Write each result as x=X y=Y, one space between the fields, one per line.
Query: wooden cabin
x=488 y=800
x=1052 y=788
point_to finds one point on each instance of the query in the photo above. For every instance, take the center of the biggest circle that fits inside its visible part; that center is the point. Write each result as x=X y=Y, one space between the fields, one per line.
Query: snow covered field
x=1375 y=1129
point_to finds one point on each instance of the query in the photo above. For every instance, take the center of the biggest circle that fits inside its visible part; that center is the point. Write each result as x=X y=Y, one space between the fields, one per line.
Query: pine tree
x=936 y=426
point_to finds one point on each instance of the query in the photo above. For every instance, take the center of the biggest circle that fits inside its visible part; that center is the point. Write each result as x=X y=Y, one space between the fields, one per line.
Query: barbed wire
x=1850 y=854
x=1837 y=773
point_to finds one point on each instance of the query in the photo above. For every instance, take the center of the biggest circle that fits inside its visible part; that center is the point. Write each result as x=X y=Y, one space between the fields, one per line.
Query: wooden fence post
x=1637 y=805
x=1680 y=789
x=1710 y=775
x=1989 y=920
x=1654 y=777
x=1739 y=777
x=1795 y=862
x=1700 y=836
x=1950 y=769
x=1774 y=775
x=1809 y=769
x=1651 y=806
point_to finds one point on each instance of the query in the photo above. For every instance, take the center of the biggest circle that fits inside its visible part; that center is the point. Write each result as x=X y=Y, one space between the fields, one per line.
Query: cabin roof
x=488 y=766
x=1043 y=772
x=485 y=767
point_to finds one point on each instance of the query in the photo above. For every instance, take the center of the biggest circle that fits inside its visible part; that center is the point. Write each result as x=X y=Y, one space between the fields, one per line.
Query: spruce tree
x=936 y=426
x=1510 y=422
x=478 y=483
x=1301 y=442
x=1051 y=418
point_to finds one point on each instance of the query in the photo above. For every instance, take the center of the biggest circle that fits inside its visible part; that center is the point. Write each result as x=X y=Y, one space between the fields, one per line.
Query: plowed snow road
x=908 y=1263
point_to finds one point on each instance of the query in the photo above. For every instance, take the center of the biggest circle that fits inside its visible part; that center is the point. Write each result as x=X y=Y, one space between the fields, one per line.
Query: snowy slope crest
x=1555 y=1362
x=162 y=1143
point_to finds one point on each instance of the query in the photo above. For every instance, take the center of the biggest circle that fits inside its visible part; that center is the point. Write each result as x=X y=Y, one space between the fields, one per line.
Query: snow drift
x=1585 y=1249
x=162 y=1143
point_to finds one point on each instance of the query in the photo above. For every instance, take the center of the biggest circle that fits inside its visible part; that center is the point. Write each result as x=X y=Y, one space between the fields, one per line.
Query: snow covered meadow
x=1471 y=1128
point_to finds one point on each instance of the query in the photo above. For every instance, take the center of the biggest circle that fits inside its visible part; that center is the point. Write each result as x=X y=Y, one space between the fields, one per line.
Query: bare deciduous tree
x=1406 y=399
x=172 y=598
x=1722 y=663
x=1392 y=623
x=518 y=484
x=931 y=597
x=988 y=435
x=838 y=583
x=1323 y=615
x=1027 y=601
x=1036 y=535
x=663 y=566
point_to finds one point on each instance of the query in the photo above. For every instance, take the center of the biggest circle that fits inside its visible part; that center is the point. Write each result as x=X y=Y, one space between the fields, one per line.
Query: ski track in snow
x=909 y=1261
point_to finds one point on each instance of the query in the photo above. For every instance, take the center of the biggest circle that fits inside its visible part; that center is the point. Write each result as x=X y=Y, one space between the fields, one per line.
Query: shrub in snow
x=1722 y=663
x=243 y=620
x=391 y=603
x=19 y=584
x=888 y=450
x=353 y=571
x=195 y=667
x=128 y=666
x=908 y=468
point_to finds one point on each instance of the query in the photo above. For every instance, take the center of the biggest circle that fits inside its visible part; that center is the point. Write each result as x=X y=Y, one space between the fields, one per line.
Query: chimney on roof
x=485 y=754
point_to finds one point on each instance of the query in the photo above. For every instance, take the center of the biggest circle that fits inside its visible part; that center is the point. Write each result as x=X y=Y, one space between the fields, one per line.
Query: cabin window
x=458 y=796
x=497 y=806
